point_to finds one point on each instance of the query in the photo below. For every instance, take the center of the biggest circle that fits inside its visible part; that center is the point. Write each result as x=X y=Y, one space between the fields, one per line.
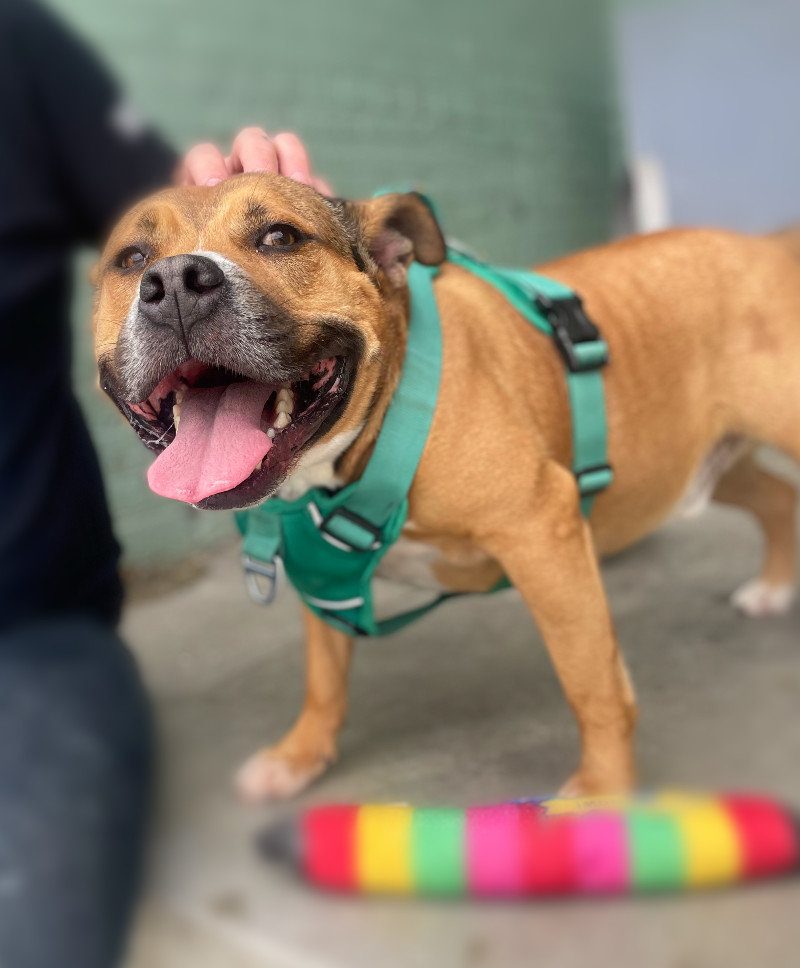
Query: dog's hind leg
x=310 y=746
x=772 y=502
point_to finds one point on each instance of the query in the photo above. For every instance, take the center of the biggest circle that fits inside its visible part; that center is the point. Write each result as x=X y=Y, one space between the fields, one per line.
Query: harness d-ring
x=255 y=572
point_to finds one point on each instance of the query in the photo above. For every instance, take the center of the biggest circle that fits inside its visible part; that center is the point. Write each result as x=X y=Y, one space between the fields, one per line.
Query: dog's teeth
x=176 y=415
x=282 y=420
x=271 y=433
x=180 y=394
x=259 y=465
x=285 y=401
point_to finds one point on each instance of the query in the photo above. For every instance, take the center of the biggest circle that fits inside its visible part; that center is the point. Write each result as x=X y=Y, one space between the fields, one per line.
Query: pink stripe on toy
x=494 y=857
x=602 y=853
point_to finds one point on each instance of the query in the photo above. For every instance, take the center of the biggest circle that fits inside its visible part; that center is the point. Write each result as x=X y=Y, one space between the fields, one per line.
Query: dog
x=291 y=310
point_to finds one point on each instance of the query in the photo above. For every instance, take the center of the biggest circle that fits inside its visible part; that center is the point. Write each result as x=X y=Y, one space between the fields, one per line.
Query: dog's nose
x=180 y=291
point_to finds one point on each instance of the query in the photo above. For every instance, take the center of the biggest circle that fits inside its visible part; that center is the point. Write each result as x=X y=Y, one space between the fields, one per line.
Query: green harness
x=331 y=542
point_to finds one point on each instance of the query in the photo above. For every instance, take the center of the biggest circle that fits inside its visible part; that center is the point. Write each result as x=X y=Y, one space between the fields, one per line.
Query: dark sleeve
x=67 y=169
x=102 y=156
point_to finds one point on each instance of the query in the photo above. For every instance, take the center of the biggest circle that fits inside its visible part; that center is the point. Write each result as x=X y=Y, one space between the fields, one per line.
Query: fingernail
x=301 y=177
x=213 y=181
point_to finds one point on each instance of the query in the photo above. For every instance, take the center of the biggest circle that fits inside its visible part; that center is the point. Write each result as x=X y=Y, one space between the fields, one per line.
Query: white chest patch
x=405 y=579
x=411 y=563
x=718 y=462
x=316 y=468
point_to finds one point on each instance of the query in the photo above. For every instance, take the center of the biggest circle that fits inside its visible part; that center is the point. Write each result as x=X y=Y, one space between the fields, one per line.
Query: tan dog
x=295 y=308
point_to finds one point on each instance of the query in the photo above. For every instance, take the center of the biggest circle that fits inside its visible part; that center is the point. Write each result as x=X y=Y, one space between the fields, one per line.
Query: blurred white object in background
x=649 y=195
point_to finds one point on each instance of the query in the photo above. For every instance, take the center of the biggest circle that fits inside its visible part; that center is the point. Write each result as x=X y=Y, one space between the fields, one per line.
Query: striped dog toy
x=542 y=847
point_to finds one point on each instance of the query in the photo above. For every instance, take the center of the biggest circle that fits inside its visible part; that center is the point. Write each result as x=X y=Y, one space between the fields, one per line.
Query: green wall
x=503 y=110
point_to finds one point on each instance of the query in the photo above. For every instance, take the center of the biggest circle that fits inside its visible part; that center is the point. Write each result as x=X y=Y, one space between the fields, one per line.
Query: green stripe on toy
x=658 y=852
x=438 y=855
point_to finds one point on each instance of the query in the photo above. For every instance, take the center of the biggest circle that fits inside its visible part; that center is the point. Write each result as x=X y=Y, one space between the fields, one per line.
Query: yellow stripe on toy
x=713 y=854
x=383 y=845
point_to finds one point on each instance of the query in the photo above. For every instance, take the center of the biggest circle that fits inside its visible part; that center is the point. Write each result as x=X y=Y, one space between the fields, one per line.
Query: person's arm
x=99 y=155
x=102 y=156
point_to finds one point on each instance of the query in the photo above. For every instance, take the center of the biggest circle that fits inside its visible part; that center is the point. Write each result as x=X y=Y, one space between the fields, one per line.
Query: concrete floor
x=464 y=708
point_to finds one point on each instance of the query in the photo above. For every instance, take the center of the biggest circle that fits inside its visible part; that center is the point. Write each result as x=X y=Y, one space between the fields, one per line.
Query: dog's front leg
x=548 y=554
x=310 y=746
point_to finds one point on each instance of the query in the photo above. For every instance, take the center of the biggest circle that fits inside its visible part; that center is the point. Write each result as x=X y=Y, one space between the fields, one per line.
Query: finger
x=204 y=165
x=253 y=151
x=292 y=157
x=323 y=187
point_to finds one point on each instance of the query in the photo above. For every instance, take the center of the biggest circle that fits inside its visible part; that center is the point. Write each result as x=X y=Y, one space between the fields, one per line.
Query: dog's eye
x=131 y=258
x=279 y=236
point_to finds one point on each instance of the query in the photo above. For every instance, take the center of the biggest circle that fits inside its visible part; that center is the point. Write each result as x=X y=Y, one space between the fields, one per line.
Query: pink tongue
x=218 y=444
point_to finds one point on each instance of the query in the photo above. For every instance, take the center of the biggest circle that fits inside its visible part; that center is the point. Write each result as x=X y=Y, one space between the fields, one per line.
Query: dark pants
x=74 y=780
x=74 y=723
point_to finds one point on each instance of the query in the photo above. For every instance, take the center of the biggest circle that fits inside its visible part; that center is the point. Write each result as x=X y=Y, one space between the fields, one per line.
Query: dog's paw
x=270 y=775
x=584 y=784
x=757 y=599
x=574 y=787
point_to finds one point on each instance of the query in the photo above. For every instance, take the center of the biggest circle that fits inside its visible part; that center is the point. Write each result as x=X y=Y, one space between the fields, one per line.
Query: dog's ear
x=392 y=231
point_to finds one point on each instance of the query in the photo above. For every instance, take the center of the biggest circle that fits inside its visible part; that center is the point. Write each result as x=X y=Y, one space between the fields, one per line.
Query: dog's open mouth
x=225 y=441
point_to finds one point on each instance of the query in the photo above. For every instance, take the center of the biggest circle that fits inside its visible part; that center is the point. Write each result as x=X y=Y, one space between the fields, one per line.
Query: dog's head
x=239 y=326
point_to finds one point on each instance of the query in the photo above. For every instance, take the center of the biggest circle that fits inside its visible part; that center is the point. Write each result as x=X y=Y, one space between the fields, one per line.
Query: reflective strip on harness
x=343 y=606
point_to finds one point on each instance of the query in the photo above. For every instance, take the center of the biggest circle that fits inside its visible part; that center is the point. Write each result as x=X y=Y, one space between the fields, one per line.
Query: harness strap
x=260 y=554
x=332 y=542
x=386 y=481
x=358 y=521
x=557 y=312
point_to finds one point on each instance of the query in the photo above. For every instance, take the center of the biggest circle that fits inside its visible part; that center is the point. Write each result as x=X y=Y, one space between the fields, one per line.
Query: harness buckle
x=593 y=480
x=346 y=530
x=255 y=572
x=576 y=337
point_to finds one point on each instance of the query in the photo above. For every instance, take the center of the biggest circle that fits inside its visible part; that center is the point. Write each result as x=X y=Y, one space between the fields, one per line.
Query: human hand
x=253 y=150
